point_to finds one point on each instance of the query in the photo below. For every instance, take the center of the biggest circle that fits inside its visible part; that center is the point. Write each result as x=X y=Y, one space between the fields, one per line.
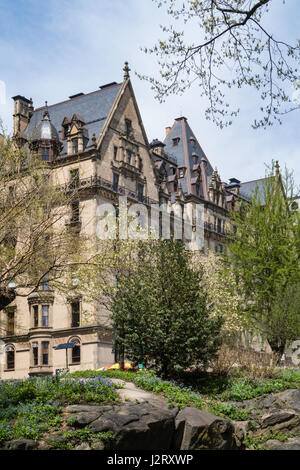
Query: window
x=181 y=173
x=75 y=308
x=75 y=146
x=35 y=316
x=128 y=157
x=76 y=352
x=115 y=152
x=115 y=182
x=140 y=164
x=219 y=248
x=11 y=322
x=45 y=315
x=175 y=141
x=35 y=353
x=45 y=353
x=74 y=174
x=128 y=126
x=10 y=358
x=140 y=192
x=219 y=226
x=75 y=211
x=45 y=154
x=45 y=282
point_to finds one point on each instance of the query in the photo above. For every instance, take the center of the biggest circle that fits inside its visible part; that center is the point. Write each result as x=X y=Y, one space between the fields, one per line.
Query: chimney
x=23 y=111
x=168 y=131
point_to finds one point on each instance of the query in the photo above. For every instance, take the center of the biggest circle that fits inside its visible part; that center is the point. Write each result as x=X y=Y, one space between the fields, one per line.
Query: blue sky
x=53 y=49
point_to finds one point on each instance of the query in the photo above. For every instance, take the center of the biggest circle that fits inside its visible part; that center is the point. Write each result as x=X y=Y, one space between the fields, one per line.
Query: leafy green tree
x=160 y=311
x=233 y=49
x=37 y=244
x=264 y=255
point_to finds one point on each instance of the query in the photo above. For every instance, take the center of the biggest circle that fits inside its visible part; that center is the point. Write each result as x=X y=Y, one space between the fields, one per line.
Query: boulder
x=240 y=431
x=290 y=398
x=97 y=444
x=282 y=419
x=197 y=429
x=83 y=446
x=84 y=418
x=21 y=444
x=87 y=408
x=289 y=444
x=138 y=426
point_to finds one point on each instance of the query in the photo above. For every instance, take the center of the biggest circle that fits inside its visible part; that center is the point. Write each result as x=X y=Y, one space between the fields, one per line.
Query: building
x=98 y=142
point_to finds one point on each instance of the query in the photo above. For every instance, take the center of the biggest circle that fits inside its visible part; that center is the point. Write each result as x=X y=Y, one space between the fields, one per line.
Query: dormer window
x=181 y=172
x=75 y=146
x=175 y=141
x=45 y=154
x=192 y=141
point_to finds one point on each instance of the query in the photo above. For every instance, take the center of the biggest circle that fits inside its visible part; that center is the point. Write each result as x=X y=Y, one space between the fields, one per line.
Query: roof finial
x=46 y=112
x=277 y=168
x=126 y=70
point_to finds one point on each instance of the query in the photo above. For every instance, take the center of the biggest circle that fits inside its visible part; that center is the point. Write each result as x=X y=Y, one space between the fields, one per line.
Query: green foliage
x=246 y=388
x=31 y=407
x=85 y=435
x=264 y=255
x=160 y=312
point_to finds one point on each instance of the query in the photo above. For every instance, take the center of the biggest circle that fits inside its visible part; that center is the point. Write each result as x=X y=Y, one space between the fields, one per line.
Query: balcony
x=94 y=182
x=214 y=229
x=39 y=371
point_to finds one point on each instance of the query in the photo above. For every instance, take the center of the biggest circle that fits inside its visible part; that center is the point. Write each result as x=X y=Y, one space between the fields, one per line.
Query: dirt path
x=130 y=392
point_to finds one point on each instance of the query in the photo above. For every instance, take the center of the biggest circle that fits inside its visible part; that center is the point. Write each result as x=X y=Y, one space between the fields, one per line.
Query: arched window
x=10 y=357
x=75 y=351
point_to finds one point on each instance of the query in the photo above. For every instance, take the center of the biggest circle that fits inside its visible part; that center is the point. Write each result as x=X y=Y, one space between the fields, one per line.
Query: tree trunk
x=122 y=358
x=278 y=347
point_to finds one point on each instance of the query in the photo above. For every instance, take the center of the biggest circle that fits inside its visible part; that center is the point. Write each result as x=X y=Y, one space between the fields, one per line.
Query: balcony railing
x=98 y=182
x=214 y=229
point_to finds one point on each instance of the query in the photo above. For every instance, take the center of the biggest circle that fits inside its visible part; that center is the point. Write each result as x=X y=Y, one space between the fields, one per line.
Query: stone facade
x=98 y=141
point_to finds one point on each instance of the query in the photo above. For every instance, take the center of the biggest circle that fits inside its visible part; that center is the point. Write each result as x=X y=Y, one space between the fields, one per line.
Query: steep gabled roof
x=93 y=108
x=248 y=188
x=186 y=146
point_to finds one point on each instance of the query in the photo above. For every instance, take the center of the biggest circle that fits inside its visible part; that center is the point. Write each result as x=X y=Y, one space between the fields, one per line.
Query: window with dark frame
x=35 y=316
x=115 y=152
x=45 y=154
x=128 y=126
x=45 y=315
x=75 y=309
x=10 y=358
x=45 y=282
x=140 y=192
x=74 y=146
x=35 y=353
x=75 y=211
x=115 y=182
x=45 y=353
x=76 y=353
x=11 y=322
x=74 y=176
